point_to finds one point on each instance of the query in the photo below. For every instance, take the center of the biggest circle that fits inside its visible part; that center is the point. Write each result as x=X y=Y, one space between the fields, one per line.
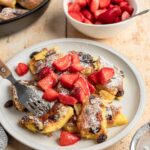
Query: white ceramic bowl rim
x=129 y=127
x=100 y=25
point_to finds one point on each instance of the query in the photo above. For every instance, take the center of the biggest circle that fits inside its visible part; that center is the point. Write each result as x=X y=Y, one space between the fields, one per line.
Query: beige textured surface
x=134 y=43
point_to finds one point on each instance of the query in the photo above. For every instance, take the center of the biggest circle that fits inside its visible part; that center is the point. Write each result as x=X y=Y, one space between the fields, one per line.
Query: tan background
x=134 y=43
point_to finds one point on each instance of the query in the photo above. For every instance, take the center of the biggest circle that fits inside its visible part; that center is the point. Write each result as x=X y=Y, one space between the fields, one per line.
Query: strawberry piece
x=117 y=1
x=63 y=63
x=104 y=3
x=93 y=77
x=98 y=12
x=117 y=20
x=50 y=95
x=94 y=5
x=82 y=83
x=76 y=68
x=82 y=3
x=44 y=72
x=46 y=83
x=104 y=75
x=110 y=15
x=125 y=15
x=67 y=138
x=87 y=14
x=73 y=7
x=110 y=6
x=74 y=58
x=126 y=7
x=77 y=16
x=68 y=80
x=92 y=88
x=21 y=69
x=98 y=22
x=67 y=100
x=87 y=21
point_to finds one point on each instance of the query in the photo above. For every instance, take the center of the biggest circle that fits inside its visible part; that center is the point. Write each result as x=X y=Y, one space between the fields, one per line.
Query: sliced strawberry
x=111 y=6
x=77 y=16
x=73 y=7
x=98 y=12
x=118 y=19
x=21 y=69
x=125 y=15
x=74 y=58
x=87 y=21
x=68 y=80
x=50 y=95
x=126 y=7
x=76 y=68
x=82 y=3
x=88 y=15
x=92 y=88
x=117 y=1
x=93 y=77
x=82 y=83
x=44 y=72
x=63 y=63
x=104 y=3
x=110 y=15
x=46 y=83
x=67 y=138
x=104 y=75
x=94 y=5
x=67 y=100
x=98 y=22
x=79 y=94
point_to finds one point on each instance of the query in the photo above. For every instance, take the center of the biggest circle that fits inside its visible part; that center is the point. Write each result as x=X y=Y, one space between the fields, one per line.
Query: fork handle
x=4 y=70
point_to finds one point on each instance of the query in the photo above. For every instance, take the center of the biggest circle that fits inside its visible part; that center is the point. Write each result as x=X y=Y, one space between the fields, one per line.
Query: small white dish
x=133 y=101
x=101 y=31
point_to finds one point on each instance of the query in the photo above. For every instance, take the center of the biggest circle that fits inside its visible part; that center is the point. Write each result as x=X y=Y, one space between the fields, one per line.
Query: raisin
x=53 y=117
x=95 y=130
x=8 y=104
x=87 y=58
x=109 y=117
x=32 y=55
x=120 y=93
x=101 y=138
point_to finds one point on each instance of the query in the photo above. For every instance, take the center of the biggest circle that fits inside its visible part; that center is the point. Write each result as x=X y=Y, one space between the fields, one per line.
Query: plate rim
x=133 y=68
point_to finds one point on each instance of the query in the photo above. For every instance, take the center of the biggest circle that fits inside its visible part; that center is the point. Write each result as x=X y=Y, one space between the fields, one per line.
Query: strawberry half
x=125 y=15
x=77 y=16
x=50 y=95
x=21 y=69
x=67 y=138
x=88 y=15
x=82 y=3
x=79 y=94
x=68 y=80
x=104 y=75
x=93 y=77
x=104 y=3
x=92 y=88
x=94 y=5
x=73 y=7
x=46 y=83
x=67 y=100
x=63 y=63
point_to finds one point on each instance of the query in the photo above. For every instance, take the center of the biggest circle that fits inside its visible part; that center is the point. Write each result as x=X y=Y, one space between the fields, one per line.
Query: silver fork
x=27 y=96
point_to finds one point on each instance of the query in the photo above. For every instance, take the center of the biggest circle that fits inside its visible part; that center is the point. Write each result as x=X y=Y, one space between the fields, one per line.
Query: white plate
x=132 y=102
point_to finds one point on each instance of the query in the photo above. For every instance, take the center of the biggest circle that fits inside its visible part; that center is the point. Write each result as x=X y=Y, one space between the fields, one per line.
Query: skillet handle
x=4 y=70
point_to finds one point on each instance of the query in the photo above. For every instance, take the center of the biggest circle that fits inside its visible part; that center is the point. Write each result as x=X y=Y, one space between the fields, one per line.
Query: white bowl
x=101 y=31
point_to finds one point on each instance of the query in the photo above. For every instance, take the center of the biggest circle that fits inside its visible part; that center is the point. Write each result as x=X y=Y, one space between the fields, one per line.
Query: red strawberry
x=79 y=94
x=74 y=58
x=98 y=12
x=63 y=63
x=21 y=69
x=93 y=77
x=46 y=83
x=125 y=15
x=68 y=80
x=92 y=88
x=104 y=3
x=117 y=1
x=82 y=3
x=76 y=68
x=77 y=16
x=87 y=21
x=67 y=100
x=94 y=5
x=50 y=95
x=110 y=15
x=44 y=72
x=87 y=14
x=98 y=22
x=82 y=83
x=67 y=138
x=117 y=20
x=104 y=75
x=111 y=6
x=73 y=7
x=126 y=7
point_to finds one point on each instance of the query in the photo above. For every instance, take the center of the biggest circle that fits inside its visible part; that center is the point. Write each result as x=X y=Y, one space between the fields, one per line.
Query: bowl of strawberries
x=100 y=18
